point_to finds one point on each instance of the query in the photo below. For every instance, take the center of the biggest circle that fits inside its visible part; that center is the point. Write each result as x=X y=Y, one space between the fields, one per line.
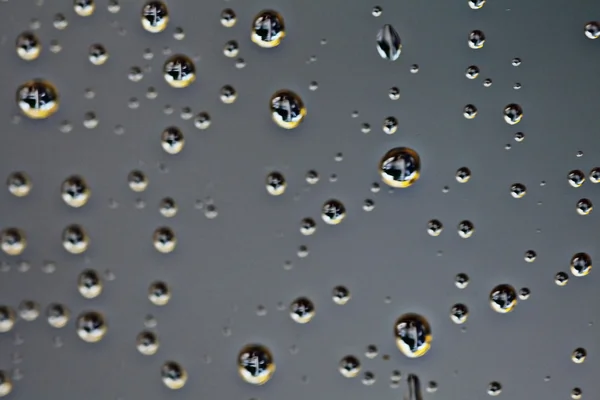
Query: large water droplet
x=255 y=364
x=400 y=167
x=155 y=16
x=268 y=29
x=503 y=298
x=287 y=109
x=389 y=45
x=37 y=99
x=91 y=326
x=413 y=335
x=173 y=375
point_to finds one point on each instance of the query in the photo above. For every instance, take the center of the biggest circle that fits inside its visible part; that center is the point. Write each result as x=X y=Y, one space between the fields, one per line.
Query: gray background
x=224 y=268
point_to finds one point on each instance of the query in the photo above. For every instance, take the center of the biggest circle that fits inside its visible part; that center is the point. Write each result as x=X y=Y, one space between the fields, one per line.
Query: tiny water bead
x=530 y=256
x=476 y=39
x=13 y=241
x=413 y=335
x=584 y=207
x=37 y=99
x=390 y=125
x=29 y=310
x=503 y=298
x=461 y=280
x=164 y=240
x=202 y=120
x=463 y=175
x=312 y=177
x=389 y=44
x=368 y=378
x=376 y=11
x=578 y=356
x=368 y=205
x=581 y=264
x=137 y=181
x=172 y=140
x=333 y=212
x=302 y=310
x=268 y=29
x=6 y=384
x=400 y=167
x=231 y=49
x=394 y=93
x=228 y=94
x=89 y=284
x=434 y=227
x=513 y=113
x=472 y=72
x=155 y=16
x=592 y=30
x=147 y=343
x=173 y=375
x=308 y=226
x=576 y=178
x=494 y=388
x=179 y=71
x=19 y=184
x=349 y=366
x=371 y=351
x=28 y=46
x=276 y=184
x=287 y=109
x=524 y=293
x=57 y=315
x=466 y=229
x=561 y=278
x=228 y=18
x=7 y=319
x=476 y=4
x=91 y=326
x=135 y=74
x=518 y=190
x=516 y=62
x=98 y=54
x=470 y=111
x=487 y=82
x=168 y=207
x=75 y=239
x=340 y=295
x=255 y=364
x=159 y=293
x=84 y=8
x=75 y=191
x=595 y=175
x=576 y=393
x=459 y=313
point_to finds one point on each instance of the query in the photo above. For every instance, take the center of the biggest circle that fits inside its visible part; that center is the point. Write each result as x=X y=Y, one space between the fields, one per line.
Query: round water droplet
x=516 y=62
x=75 y=191
x=476 y=39
x=595 y=175
x=390 y=125
x=518 y=190
x=13 y=241
x=147 y=343
x=400 y=167
x=135 y=74
x=155 y=16
x=581 y=264
x=494 y=388
x=459 y=313
x=173 y=375
x=461 y=280
x=368 y=378
x=472 y=72
x=98 y=54
x=179 y=71
x=228 y=18
x=7 y=319
x=576 y=178
x=228 y=94
x=172 y=140
x=503 y=298
x=231 y=49
x=202 y=120
x=376 y=12
x=466 y=229
x=159 y=293
x=84 y=8
x=349 y=366
x=6 y=384
x=463 y=175
x=164 y=240
x=168 y=207
x=434 y=227
x=524 y=293
x=287 y=109
x=578 y=356
x=561 y=278
x=57 y=315
x=75 y=240
x=584 y=207
x=19 y=184
x=394 y=93
x=268 y=29
x=413 y=335
x=29 y=310
x=487 y=82
x=255 y=364
x=333 y=212
x=137 y=181
x=113 y=6
x=28 y=46
x=340 y=295
x=312 y=177
x=371 y=351
x=513 y=113
x=91 y=326
x=530 y=256
x=276 y=184
x=89 y=284
x=592 y=30
x=576 y=393
x=476 y=4
x=470 y=111
x=308 y=226
x=37 y=99
x=302 y=310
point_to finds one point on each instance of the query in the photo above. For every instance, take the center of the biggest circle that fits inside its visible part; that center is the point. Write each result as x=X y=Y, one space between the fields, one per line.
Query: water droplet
x=89 y=284
x=202 y=120
x=57 y=315
x=530 y=256
x=463 y=175
x=576 y=178
x=581 y=264
x=312 y=177
x=434 y=227
x=268 y=29
x=19 y=184
x=6 y=385
x=476 y=39
x=349 y=366
x=276 y=184
x=179 y=34
x=494 y=388
x=561 y=278
x=518 y=190
x=173 y=375
x=592 y=30
x=37 y=99
x=29 y=310
x=414 y=68
x=98 y=54
x=487 y=82
x=371 y=351
x=84 y=8
x=155 y=16
x=228 y=18
x=472 y=72
x=576 y=393
x=167 y=207
x=413 y=335
x=302 y=310
x=179 y=71
x=368 y=378
x=476 y=4
x=231 y=49
x=75 y=191
x=524 y=293
x=308 y=226
x=389 y=45
x=75 y=240
x=90 y=121
x=164 y=240
x=91 y=326
x=368 y=205
x=400 y=167
x=159 y=293
x=314 y=85
x=113 y=6
x=459 y=313
x=28 y=46
x=394 y=93
x=340 y=295
x=228 y=94
x=584 y=207
x=13 y=241
x=578 y=356
x=287 y=109
x=147 y=343
x=513 y=113
x=470 y=111
x=432 y=387
x=519 y=137
x=466 y=229
x=135 y=74
x=333 y=212
x=7 y=319
x=376 y=12
x=390 y=125
x=503 y=298
x=137 y=181
x=255 y=364
x=172 y=140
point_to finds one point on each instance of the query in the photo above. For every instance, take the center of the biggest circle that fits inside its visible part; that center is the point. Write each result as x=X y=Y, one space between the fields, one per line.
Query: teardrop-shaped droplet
x=389 y=45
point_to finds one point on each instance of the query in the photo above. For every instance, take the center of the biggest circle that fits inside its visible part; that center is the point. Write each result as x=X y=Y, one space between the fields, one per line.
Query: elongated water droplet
x=413 y=388
x=389 y=44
